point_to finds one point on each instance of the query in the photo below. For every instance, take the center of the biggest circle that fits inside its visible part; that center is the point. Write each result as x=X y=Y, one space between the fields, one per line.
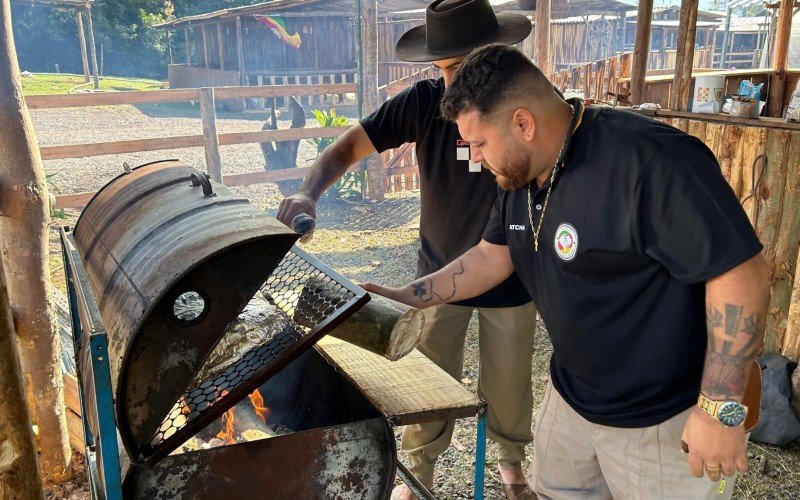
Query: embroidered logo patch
x=566 y=242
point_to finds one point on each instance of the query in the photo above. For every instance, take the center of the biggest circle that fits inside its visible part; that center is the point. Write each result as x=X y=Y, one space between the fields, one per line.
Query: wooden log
x=734 y=140
x=641 y=50
x=679 y=96
x=754 y=140
x=786 y=249
x=208 y=117
x=714 y=135
x=82 y=43
x=697 y=128
x=19 y=469
x=770 y=199
x=382 y=326
x=731 y=136
x=780 y=58
x=542 y=36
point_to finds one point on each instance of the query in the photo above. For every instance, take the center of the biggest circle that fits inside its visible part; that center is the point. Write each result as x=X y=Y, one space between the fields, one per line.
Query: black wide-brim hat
x=454 y=27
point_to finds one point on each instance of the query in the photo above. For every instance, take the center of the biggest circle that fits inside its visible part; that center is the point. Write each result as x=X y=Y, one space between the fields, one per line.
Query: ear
x=523 y=123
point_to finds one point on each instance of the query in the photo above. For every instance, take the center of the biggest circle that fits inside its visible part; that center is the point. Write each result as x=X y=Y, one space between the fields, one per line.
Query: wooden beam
x=92 y=47
x=110 y=98
x=220 y=46
x=184 y=141
x=187 y=47
x=780 y=57
x=542 y=36
x=169 y=46
x=82 y=42
x=641 y=50
x=684 y=57
x=208 y=117
x=240 y=50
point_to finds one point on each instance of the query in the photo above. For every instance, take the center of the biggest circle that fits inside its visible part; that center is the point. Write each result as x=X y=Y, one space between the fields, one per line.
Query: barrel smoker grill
x=148 y=242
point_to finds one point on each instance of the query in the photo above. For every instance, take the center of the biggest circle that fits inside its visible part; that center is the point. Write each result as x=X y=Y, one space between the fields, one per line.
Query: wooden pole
x=19 y=469
x=726 y=38
x=779 y=59
x=641 y=50
x=684 y=56
x=82 y=41
x=369 y=85
x=204 y=37
x=92 y=48
x=542 y=36
x=24 y=226
x=210 y=138
x=220 y=47
x=624 y=30
x=240 y=50
x=187 y=47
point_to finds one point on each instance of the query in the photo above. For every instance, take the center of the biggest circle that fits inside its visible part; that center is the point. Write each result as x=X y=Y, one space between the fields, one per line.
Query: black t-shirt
x=638 y=219
x=456 y=195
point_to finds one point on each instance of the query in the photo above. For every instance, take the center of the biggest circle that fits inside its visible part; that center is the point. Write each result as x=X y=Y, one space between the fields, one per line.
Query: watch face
x=731 y=413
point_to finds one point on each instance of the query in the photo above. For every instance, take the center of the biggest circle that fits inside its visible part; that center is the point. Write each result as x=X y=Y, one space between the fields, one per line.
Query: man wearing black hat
x=456 y=198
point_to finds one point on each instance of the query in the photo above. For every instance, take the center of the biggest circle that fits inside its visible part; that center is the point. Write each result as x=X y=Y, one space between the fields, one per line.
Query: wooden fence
x=210 y=139
x=761 y=161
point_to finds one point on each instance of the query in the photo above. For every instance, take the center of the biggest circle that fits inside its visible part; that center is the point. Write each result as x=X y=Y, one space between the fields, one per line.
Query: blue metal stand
x=99 y=420
x=480 y=454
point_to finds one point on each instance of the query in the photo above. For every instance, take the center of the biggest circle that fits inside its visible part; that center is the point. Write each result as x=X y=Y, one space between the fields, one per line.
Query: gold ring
x=713 y=472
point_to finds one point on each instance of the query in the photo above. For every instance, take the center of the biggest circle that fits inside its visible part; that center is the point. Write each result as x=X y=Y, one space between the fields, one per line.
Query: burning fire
x=258 y=405
x=228 y=431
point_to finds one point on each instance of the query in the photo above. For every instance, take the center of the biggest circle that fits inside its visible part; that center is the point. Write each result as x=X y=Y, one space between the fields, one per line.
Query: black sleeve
x=495 y=232
x=395 y=122
x=689 y=218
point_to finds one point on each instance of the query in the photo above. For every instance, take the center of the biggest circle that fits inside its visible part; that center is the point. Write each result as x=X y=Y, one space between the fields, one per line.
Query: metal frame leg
x=480 y=454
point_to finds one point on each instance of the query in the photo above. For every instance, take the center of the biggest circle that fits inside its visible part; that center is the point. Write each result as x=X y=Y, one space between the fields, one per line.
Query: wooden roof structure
x=82 y=8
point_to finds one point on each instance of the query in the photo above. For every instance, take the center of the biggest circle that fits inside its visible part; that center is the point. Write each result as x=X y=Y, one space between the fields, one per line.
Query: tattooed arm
x=736 y=305
x=478 y=270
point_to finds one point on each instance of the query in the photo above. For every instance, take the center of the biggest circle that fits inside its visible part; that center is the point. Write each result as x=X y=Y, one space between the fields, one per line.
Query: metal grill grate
x=314 y=297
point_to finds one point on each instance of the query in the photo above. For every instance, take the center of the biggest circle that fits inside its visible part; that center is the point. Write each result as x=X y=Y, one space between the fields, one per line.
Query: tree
x=24 y=246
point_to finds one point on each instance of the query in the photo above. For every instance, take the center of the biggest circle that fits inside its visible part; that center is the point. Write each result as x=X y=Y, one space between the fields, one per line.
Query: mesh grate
x=314 y=297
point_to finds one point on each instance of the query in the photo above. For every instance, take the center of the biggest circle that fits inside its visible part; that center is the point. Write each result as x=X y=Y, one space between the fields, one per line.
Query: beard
x=514 y=170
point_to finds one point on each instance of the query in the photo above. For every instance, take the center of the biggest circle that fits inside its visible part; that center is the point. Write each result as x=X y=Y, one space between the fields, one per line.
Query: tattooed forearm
x=453 y=279
x=732 y=344
x=423 y=290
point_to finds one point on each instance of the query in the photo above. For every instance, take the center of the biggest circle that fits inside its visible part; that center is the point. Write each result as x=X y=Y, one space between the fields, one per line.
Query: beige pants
x=504 y=380
x=574 y=458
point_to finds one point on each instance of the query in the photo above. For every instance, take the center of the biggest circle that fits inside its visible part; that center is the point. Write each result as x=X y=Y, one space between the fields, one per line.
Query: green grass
x=51 y=83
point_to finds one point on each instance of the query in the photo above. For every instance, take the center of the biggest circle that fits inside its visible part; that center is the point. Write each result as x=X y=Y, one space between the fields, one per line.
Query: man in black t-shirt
x=645 y=270
x=456 y=198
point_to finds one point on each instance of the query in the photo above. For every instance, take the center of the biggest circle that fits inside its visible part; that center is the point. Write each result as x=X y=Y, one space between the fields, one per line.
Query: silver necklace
x=536 y=230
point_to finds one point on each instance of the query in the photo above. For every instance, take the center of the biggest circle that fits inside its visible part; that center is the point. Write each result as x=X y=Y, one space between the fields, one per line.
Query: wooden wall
x=762 y=165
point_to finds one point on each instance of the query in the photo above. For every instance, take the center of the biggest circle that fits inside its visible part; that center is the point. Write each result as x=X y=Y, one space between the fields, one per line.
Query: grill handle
x=303 y=224
x=201 y=179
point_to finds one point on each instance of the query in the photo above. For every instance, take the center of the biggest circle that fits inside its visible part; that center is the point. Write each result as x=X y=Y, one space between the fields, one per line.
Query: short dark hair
x=489 y=77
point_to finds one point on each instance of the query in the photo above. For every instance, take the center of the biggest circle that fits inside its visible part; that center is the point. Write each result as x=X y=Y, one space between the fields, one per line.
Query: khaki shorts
x=574 y=458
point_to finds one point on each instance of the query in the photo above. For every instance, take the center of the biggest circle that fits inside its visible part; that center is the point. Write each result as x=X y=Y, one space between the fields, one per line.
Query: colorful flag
x=278 y=27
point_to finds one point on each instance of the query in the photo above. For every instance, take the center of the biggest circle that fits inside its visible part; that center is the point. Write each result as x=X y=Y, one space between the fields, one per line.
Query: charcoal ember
x=257 y=324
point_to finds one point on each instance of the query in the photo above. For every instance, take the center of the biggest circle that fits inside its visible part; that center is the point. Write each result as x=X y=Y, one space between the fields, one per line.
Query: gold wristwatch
x=729 y=413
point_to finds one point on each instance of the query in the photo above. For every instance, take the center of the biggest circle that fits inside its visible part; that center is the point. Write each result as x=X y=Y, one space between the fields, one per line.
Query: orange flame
x=258 y=406
x=226 y=434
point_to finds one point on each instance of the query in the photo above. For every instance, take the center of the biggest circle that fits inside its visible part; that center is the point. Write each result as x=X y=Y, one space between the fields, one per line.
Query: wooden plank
x=770 y=201
x=271 y=176
x=283 y=90
x=681 y=84
x=714 y=134
x=204 y=39
x=187 y=47
x=738 y=165
x=208 y=117
x=75 y=200
x=726 y=153
x=777 y=123
x=186 y=141
x=786 y=248
x=410 y=390
x=641 y=49
x=110 y=98
x=240 y=51
x=75 y=431
x=220 y=46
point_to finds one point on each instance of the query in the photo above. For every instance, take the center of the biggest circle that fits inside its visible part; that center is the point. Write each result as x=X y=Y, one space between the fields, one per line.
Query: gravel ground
x=363 y=241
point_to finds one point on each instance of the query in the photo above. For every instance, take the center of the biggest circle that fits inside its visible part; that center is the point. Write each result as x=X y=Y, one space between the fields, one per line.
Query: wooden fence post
x=369 y=87
x=19 y=469
x=641 y=50
x=92 y=47
x=780 y=58
x=542 y=36
x=209 y=118
x=684 y=57
x=82 y=42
